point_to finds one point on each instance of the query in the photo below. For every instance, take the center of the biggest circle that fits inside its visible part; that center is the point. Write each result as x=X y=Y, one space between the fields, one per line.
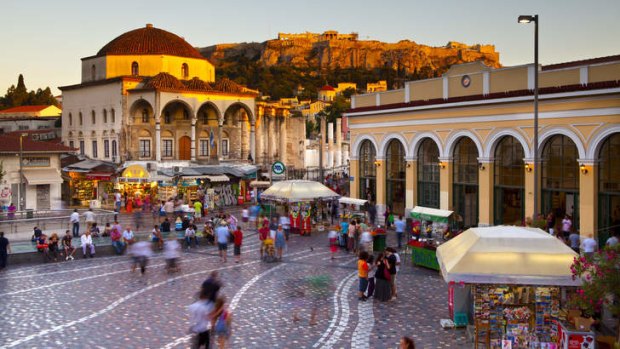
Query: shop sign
x=278 y=169
x=35 y=161
x=98 y=177
x=135 y=171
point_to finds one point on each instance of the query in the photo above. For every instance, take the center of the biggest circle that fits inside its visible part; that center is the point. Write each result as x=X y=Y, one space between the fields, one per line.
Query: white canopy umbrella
x=507 y=255
x=298 y=190
x=352 y=201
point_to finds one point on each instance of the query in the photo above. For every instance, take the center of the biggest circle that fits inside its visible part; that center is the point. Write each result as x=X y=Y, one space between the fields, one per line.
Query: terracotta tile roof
x=582 y=62
x=327 y=88
x=196 y=84
x=227 y=85
x=10 y=144
x=163 y=81
x=518 y=93
x=149 y=41
x=24 y=109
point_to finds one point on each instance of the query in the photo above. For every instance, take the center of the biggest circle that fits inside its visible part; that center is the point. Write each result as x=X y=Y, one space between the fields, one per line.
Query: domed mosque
x=148 y=97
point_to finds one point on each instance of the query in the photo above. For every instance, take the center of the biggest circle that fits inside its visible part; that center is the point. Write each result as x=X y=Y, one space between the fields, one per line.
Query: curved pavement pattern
x=99 y=303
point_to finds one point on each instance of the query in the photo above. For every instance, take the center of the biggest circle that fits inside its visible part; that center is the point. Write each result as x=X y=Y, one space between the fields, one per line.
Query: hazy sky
x=45 y=40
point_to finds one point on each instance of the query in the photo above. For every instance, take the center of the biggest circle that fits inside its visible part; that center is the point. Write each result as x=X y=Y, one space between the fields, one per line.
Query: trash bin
x=29 y=213
x=378 y=243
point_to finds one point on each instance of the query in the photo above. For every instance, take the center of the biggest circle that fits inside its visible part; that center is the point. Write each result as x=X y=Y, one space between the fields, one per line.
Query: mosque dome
x=149 y=41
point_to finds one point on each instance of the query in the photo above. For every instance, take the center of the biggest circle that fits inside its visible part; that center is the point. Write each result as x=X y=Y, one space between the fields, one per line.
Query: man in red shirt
x=237 y=240
x=263 y=233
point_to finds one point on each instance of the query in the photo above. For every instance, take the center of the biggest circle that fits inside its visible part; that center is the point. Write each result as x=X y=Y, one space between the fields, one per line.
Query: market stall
x=511 y=282
x=300 y=199
x=431 y=227
x=352 y=208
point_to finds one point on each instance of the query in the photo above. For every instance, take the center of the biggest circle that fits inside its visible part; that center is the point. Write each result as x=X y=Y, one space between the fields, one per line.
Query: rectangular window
x=82 y=148
x=23 y=127
x=204 y=147
x=94 y=149
x=106 y=148
x=114 y=148
x=145 y=148
x=71 y=144
x=224 y=147
x=166 y=150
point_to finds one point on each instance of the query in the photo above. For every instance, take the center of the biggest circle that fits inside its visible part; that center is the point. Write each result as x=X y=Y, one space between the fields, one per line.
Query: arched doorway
x=609 y=188
x=395 y=177
x=185 y=148
x=465 y=186
x=560 y=178
x=509 y=182
x=428 y=174
x=367 y=171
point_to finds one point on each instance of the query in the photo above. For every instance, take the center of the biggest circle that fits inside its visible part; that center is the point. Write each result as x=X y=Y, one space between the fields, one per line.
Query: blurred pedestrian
x=140 y=254
x=200 y=321
x=75 y=223
x=5 y=250
x=157 y=237
x=332 y=237
x=222 y=234
x=280 y=242
x=221 y=322
x=212 y=286
x=399 y=226
x=406 y=343
x=89 y=217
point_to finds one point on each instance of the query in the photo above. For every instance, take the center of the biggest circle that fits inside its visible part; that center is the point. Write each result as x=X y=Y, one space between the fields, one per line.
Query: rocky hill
x=326 y=54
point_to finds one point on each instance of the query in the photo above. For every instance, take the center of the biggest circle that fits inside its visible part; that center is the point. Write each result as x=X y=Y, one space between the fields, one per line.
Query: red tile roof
x=24 y=109
x=149 y=41
x=498 y=95
x=10 y=144
x=327 y=88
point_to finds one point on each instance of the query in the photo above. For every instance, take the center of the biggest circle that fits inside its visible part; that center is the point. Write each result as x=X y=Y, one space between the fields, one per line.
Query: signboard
x=278 y=170
x=35 y=161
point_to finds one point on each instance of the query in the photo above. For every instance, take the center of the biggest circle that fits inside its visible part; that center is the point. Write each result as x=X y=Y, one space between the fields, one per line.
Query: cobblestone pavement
x=98 y=303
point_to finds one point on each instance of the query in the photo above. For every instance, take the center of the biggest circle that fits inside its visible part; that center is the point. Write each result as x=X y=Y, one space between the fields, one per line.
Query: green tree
x=18 y=95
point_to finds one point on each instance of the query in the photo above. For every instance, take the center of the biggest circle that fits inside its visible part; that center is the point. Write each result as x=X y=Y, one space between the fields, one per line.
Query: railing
x=21 y=227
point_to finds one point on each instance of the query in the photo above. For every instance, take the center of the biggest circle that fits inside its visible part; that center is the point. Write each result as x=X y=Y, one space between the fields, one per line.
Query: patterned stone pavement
x=98 y=303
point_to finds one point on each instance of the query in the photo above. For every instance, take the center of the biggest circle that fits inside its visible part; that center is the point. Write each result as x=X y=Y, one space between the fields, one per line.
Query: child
x=333 y=241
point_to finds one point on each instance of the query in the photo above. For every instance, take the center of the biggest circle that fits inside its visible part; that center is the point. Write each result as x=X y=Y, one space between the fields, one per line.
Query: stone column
x=283 y=140
x=323 y=130
x=355 y=173
x=193 y=144
x=273 y=137
x=588 y=198
x=338 y=151
x=157 y=140
x=411 y=179
x=330 y=145
x=485 y=192
x=445 y=183
x=253 y=141
x=219 y=141
x=381 y=188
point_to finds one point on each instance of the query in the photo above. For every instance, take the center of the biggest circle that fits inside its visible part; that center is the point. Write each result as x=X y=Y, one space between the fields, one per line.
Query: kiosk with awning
x=352 y=207
x=431 y=227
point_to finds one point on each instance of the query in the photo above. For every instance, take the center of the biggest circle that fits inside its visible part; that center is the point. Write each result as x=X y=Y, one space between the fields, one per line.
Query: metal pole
x=320 y=158
x=21 y=174
x=536 y=167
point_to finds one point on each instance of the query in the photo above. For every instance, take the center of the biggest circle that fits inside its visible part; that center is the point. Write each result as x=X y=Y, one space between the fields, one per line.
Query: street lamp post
x=21 y=171
x=529 y=19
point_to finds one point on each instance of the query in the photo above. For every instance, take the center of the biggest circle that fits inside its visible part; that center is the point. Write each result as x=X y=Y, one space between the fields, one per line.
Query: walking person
x=285 y=221
x=362 y=273
x=574 y=241
x=200 y=321
x=172 y=253
x=198 y=211
x=222 y=234
x=89 y=217
x=117 y=202
x=332 y=237
x=237 y=241
x=383 y=290
x=280 y=242
x=245 y=217
x=87 y=244
x=156 y=237
x=351 y=235
x=212 y=286
x=68 y=246
x=394 y=260
x=589 y=246
x=140 y=254
x=222 y=321
x=75 y=223
x=566 y=227
x=263 y=234
x=5 y=250
x=399 y=226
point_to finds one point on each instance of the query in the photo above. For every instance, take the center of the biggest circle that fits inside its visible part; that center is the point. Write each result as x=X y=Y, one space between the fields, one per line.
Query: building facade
x=464 y=142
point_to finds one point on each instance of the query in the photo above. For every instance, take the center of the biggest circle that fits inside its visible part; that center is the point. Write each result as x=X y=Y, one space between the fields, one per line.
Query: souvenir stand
x=298 y=195
x=511 y=282
x=431 y=227
x=352 y=208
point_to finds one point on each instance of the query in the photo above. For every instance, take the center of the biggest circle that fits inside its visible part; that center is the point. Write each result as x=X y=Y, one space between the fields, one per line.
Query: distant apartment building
x=378 y=86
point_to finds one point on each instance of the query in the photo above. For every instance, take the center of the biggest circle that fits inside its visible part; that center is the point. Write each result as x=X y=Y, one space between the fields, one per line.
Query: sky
x=45 y=40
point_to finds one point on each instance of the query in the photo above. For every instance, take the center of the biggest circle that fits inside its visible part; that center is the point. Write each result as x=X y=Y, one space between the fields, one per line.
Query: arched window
x=70 y=119
x=145 y=115
x=465 y=187
x=92 y=116
x=93 y=72
x=395 y=177
x=509 y=182
x=560 y=178
x=609 y=187
x=105 y=116
x=184 y=70
x=367 y=171
x=113 y=115
x=428 y=174
x=135 y=69
x=81 y=119
x=167 y=117
x=185 y=114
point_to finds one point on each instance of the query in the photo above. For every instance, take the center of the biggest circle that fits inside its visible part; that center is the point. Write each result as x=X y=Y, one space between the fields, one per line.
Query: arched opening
x=208 y=115
x=428 y=174
x=113 y=115
x=70 y=119
x=105 y=116
x=560 y=178
x=185 y=148
x=465 y=183
x=236 y=123
x=609 y=188
x=395 y=177
x=141 y=112
x=367 y=171
x=176 y=111
x=185 y=71
x=145 y=116
x=509 y=182
x=81 y=119
x=135 y=69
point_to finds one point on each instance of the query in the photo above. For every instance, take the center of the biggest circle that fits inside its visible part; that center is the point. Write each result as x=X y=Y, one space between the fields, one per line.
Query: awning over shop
x=260 y=184
x=47 y=176
x=135 y=172
x=218 y=178
x=352 y=201
x=431 y=214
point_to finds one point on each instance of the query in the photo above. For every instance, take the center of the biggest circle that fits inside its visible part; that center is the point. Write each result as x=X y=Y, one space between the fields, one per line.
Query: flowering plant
x=600 y=275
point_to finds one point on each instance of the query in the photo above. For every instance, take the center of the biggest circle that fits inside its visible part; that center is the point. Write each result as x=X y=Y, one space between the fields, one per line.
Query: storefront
x=135 y=181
